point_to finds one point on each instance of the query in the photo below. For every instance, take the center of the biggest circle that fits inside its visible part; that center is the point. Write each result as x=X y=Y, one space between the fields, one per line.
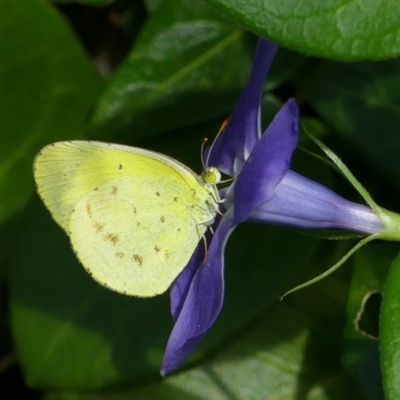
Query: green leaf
x=189 y=65
x=361 y=347
x=334 y=28
x=45 y=93
x=361 y=101
x=152 y=5
x=389 y=333
x=282 y=356
x=94 y=3
x=57 y=307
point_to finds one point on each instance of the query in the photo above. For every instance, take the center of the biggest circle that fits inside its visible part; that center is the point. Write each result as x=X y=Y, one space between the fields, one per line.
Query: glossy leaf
x=356 y=30
x=45 y=93
x=361 y=345
x=390 y=328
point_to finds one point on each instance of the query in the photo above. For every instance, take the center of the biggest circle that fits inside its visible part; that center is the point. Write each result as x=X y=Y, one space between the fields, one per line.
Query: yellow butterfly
x=134 y=216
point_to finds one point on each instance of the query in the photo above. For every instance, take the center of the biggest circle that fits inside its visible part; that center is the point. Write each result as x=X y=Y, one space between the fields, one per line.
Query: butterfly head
x=211 y=175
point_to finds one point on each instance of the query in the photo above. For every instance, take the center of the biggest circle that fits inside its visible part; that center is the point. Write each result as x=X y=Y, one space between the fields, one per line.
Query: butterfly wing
x=134 y=217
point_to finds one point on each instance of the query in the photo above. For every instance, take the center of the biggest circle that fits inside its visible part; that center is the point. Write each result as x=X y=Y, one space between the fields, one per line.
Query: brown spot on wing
x=89 y=210
x=120 y=166
x=98 y=226
x=157 y=249
x=162 y=219
x=114 y=190
x=157 y=193
x=120 y=254
x=138 y=259
x=135 y=213
x=113 y=238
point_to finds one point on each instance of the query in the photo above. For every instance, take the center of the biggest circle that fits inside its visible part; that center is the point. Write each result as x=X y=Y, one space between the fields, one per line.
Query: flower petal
x=301 y=202
x=267 y=164
x=234 y=144
x=180 y=287
x=202 y=301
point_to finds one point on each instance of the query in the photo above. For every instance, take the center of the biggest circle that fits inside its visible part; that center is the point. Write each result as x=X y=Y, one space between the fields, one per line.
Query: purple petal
x=238 y=138
x=202 y=303
x=300 y=202
x=180 y=287
x=267 y=164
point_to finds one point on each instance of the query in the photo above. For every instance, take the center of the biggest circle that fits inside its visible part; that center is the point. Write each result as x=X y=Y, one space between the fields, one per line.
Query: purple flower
x=264 y=190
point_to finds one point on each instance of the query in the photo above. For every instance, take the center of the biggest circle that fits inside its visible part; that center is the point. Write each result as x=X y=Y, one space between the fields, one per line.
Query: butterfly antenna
x=205 y=140
x=223 y=126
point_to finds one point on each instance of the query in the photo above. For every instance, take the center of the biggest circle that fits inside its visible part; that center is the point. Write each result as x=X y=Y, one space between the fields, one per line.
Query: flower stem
x=333 y=268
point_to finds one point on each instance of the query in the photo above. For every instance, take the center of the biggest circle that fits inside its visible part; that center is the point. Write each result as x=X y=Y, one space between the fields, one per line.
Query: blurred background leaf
x=187 y=58
x=98 y=3
x=285 y=353
x=47 y=88
x=361 y=102
x=152 y=5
